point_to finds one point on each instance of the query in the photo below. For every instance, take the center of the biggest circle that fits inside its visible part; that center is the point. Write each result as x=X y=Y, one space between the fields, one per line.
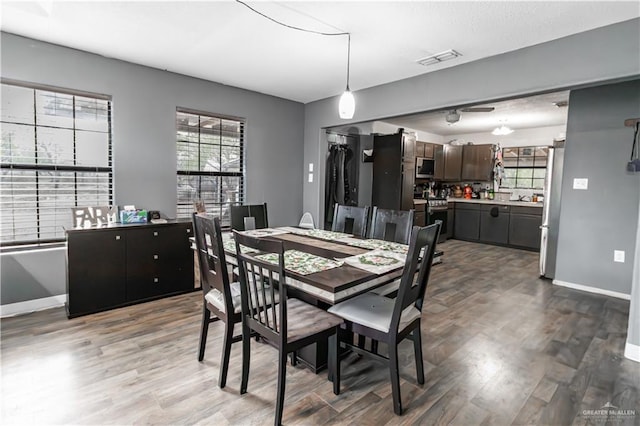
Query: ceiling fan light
x=502 y=131
x=347 y=106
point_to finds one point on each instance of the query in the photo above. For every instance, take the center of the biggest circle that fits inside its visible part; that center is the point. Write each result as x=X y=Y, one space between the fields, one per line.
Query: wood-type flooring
x=501 y=346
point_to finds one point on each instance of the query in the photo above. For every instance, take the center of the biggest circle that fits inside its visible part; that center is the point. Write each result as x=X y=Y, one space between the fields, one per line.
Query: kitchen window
x=524 y=167
x=56 y=155
x=210 y=163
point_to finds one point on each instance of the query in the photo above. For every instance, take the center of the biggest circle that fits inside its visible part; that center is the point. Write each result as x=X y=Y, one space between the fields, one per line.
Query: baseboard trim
x=28 y=306
x=592 y=289
x=632 y=352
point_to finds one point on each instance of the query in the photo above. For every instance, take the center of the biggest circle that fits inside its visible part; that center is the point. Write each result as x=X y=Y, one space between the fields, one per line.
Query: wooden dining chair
x=248 y=217
x=350 y=220
x=391 y=225
x=221 y=299
x=290 y=325
x=392 y=320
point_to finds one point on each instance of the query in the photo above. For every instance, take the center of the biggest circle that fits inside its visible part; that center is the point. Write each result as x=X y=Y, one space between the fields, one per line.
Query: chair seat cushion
x=305 y=320
x=215 y=297
x=374 y=311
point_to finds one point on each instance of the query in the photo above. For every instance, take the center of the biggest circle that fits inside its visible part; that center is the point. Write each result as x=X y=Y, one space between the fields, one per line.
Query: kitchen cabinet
x=524 y=227
x=126 y=264
x=420 y=214
x=467 y=222
x=393 y=171
x=477 y=163
x=452 y=162
x=425 y=149
x=494 y=224
x=438 y=161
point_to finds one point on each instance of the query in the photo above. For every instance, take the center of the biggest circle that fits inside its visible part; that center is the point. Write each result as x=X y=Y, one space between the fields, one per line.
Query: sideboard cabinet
x=121 y=265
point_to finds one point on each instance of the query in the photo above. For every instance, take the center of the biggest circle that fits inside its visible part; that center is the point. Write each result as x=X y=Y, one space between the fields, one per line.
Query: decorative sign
x=87 y=217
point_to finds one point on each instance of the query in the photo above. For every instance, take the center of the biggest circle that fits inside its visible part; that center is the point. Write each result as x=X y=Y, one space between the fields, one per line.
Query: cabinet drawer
x=421 y=207
x=467 y=206
x=489 y=207
x=536 y=211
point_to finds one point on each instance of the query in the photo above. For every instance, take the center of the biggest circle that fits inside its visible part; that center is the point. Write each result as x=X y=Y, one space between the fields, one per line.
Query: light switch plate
x=310 y=179
x=310 y=167
x=580 y=183
x=618 y=256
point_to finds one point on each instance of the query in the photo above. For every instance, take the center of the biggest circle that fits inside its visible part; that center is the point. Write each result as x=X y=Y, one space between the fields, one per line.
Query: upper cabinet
x=425 y=149
x=452 y=162
x=477 y=163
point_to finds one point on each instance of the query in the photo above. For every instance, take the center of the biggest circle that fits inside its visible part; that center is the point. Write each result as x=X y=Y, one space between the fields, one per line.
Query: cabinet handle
x=155 y=233
x=155 y=280
x=117 y=237
x=188 y=230
x=155 y=256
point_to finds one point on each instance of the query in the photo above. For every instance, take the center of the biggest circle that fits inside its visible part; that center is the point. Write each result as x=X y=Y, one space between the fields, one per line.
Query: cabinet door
x=524 y=231
x=420 y=149
x=452 y=162
x=494 y=224
x=419 y=218
x=438 y=160
x=467 y=224
x=387 y=171
x=96 y=271
x=477 y=163
x=429 y=149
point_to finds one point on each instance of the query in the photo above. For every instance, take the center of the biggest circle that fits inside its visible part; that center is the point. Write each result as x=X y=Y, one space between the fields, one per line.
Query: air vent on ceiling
x=439 y=57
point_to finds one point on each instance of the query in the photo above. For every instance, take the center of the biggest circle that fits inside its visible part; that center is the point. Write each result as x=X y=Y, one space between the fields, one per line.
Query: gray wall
x=633 y=332
x=144 y=152
x=595 y=222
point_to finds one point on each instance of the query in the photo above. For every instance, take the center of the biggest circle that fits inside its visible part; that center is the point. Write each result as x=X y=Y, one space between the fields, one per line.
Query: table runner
x=301 y=263
x=322 y=234
x=373 y=244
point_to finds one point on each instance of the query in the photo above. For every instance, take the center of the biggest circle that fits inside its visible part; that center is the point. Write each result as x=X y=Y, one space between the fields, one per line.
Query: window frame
x=57 y=167
x=219 y=206
x=533 y=167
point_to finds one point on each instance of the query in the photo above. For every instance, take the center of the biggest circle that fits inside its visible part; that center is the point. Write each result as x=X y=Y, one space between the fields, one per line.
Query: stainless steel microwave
x=424 y=168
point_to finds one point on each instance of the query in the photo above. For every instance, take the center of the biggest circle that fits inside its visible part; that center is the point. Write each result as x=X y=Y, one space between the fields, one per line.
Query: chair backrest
x=391 y=225
x=260 y=278
x=245 y=218
x=306 y=221
x=213 y=265
x=412 y=292
x=350 y=220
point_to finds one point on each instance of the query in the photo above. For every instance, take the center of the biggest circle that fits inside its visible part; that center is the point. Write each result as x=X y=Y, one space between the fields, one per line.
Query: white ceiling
x=523 y=113
x=226 y=42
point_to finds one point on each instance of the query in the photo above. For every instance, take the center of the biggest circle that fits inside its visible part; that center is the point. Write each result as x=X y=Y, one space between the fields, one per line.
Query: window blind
x=210 y=163
x=55 y=155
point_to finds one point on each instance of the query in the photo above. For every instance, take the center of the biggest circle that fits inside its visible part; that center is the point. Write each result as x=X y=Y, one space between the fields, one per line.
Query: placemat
x=302 y=263
x=377 y=261
x=230 y=246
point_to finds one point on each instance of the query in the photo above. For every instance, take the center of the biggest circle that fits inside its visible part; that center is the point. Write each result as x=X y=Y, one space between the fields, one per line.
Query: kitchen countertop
x=485 y=201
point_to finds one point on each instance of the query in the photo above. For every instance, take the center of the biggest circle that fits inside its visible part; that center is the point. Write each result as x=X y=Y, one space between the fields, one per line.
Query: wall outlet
x=618 y=256
x=581 y=183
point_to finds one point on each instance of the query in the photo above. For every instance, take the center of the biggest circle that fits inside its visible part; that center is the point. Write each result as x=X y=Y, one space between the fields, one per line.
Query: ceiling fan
x=453 y=115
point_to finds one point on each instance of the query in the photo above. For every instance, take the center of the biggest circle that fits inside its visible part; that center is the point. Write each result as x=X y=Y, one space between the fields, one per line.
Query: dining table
x=326 y=267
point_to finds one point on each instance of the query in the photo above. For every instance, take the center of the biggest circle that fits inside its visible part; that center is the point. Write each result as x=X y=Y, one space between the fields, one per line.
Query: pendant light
x=347 y=105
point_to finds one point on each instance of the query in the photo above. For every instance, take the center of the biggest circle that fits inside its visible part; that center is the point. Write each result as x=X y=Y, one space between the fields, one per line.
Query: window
x=210 y=163
x=524 y=167
x=56 y=155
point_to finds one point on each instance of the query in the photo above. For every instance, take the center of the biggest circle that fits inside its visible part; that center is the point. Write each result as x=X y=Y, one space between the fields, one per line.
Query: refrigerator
x=551 y=210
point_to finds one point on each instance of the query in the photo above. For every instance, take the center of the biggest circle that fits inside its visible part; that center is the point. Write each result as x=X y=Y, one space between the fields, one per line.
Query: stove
x=438 y=204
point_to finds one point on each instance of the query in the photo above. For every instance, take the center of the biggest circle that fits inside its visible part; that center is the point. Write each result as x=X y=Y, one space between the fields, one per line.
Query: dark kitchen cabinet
x=452 y=162
x=420 y=214
x=438 y=161
x=420 y=148
x=467 y=222
x=494 y=224
x=96 y=272
x=126 y=264
x=524 y=227
x=393 y=171
x=429 y=150
x=477 y=163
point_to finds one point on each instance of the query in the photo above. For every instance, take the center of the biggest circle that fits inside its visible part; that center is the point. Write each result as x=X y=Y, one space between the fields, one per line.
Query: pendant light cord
x=307 y=31
x=291 y=26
